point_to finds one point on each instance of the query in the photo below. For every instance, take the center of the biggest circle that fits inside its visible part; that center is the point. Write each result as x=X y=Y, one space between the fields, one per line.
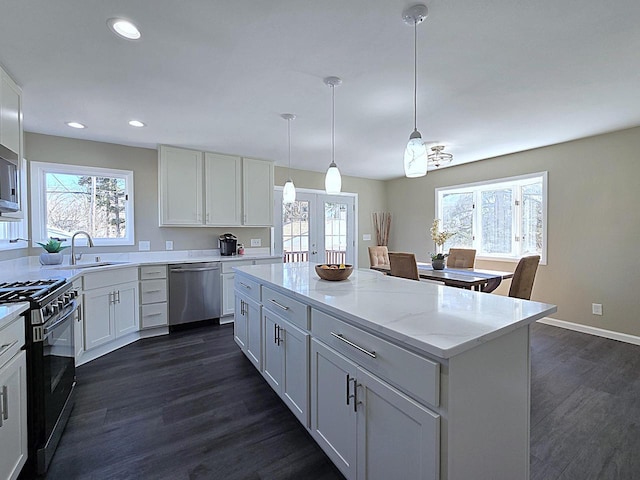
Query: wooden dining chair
x=523 y=277
x=379 y=256
x=403 y=265
x=461 y=258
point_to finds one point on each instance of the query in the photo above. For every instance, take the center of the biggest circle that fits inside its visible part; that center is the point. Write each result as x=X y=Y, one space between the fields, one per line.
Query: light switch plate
x=366 y=237
x=168 y=245
x=144 y=245
x=256 y=242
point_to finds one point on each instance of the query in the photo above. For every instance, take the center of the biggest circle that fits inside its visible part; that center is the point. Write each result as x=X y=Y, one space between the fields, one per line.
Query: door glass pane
x=457 y=216
x=335 y=232
x=532 y=219
x=295 y=231
x=497 y=227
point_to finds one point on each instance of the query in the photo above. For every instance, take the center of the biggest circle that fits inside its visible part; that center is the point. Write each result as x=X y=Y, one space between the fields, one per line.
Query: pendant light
x=333 y=180
x=415 y=155
x=289 y=190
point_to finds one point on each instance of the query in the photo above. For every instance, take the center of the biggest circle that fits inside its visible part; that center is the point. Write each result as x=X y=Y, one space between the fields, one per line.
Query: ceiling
x=494 y=77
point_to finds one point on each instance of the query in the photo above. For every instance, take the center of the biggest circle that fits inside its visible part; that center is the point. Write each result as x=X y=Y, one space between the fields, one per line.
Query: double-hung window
x=67 y=198
x=501 y=219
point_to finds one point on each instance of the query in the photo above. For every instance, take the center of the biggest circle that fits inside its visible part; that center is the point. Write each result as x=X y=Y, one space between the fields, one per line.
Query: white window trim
x=38 y=209
x=497 y=183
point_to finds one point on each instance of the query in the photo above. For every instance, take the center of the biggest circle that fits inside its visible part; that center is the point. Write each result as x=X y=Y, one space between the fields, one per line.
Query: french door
x=316 y=228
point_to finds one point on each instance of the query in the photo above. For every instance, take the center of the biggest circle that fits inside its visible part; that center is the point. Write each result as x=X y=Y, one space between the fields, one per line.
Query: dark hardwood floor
x=191 y=406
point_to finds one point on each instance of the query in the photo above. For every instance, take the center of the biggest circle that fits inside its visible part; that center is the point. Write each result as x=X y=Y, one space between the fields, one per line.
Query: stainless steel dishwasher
x=194 y=292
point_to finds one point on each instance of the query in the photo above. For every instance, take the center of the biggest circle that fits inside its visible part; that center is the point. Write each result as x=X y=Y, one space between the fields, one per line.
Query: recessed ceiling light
x=136 y=123
x=124 y=28
x=75 y=125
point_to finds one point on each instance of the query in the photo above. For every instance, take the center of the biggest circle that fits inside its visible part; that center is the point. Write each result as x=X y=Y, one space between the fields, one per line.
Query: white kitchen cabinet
x=240 y=323
x=153 y=296
x=223 y=187
x=228 y=276
x=13 y=398
x=180 y=176
x=110 y=305
x=248 y=329
x=257 y=190
x=10 y=116
x=202 y=189
x=286 y=363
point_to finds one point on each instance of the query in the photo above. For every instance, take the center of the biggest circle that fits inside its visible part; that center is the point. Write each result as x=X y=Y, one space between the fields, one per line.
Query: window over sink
x=67 y=198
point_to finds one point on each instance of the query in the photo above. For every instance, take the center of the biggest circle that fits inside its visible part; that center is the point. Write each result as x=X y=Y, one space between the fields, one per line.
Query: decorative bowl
x=333 y=272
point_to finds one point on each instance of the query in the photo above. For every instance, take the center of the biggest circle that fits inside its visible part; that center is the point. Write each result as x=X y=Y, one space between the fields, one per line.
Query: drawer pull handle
x=283 y=307
x=245 y=285
x=351 y=344
x=7 y=346
x=153 y=314
x=152 y=291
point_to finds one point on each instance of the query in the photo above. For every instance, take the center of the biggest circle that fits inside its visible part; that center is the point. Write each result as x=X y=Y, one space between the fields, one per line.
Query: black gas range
x=50 y=349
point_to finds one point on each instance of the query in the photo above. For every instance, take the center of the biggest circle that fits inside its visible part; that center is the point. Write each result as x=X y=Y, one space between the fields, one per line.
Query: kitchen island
x=394 y=378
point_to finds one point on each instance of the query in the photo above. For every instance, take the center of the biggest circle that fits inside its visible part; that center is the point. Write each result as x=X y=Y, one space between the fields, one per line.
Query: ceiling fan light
x=289 y=192
x=333 y=180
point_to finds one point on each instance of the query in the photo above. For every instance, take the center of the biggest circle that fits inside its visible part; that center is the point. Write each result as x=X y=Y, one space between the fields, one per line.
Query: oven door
x=58 y=366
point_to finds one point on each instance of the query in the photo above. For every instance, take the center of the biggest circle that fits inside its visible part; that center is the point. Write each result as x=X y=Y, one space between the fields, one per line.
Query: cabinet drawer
x=153 y=291
x=109 y=278
x=247 y=287
x=152 y=272
x=286 y=307
x=153 y=315
x=11 y=339
x=416 y=375
x=227 y=267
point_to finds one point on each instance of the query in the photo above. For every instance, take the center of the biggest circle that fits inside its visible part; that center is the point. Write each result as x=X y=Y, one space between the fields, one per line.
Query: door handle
x=5 y=405
x=283 y=307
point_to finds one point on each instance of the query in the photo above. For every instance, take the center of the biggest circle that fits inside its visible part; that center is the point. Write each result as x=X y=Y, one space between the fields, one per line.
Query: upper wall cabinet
x=180 y=186
x=209 y=189
x=10 y=118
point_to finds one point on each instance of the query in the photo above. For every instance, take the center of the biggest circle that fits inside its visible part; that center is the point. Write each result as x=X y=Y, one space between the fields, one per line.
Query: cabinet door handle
x=348 y=381
x=283 y=307
x=7 y=346
x=112 y=296
x=355 y=395
x=279 y=337
x=275 y=333
x=116 y=296
x=5 y=404
x=351 y=344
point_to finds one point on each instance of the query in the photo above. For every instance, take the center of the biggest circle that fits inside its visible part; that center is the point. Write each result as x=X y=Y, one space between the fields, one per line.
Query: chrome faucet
x=73 y=245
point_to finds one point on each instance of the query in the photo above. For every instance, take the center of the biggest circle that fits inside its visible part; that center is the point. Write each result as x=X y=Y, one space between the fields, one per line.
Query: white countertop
x=29 y=268
x=438 y=320
x=9 y=311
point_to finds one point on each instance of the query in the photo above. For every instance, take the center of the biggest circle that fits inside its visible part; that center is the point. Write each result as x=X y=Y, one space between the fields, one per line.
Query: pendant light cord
x=289 y=140
x=415 y=75
x=333 y=124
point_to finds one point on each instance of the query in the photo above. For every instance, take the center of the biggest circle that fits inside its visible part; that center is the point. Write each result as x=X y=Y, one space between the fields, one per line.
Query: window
x=67 y=198
x=502 y=219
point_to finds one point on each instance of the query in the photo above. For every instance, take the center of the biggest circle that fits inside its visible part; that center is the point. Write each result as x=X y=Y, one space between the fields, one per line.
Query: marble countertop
x=29 y=268
x=430 y=318
x=9 y=311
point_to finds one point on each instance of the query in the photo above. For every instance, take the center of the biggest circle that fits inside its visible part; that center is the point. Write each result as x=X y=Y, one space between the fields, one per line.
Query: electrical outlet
x=168 y=245
x=144 y=245
x=596 y=308
x=366 y=237
x=256 y=242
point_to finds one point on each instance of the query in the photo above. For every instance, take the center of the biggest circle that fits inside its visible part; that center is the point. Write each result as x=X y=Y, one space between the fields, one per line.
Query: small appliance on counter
x=240 y=249
x=228 y=244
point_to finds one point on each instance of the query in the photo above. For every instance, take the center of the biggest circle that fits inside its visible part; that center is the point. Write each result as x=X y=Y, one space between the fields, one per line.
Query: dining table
x=471 y=278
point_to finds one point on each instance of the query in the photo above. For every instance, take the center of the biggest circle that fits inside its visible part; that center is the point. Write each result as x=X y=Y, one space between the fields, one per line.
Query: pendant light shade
x=333 y=179
x=415 y=154
x=289 y=190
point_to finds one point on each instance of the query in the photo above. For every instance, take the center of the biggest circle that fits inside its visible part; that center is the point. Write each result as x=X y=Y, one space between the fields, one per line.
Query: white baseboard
x=600 y=332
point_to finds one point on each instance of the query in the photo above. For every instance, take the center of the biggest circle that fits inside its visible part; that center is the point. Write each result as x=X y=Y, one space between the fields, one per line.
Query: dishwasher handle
x=184 y=270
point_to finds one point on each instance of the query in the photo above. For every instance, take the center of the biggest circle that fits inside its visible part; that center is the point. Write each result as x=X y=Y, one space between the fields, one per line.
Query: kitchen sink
x=81 y=266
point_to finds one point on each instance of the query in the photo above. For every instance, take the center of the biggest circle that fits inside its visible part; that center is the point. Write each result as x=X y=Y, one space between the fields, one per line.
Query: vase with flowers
x=437 y=259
